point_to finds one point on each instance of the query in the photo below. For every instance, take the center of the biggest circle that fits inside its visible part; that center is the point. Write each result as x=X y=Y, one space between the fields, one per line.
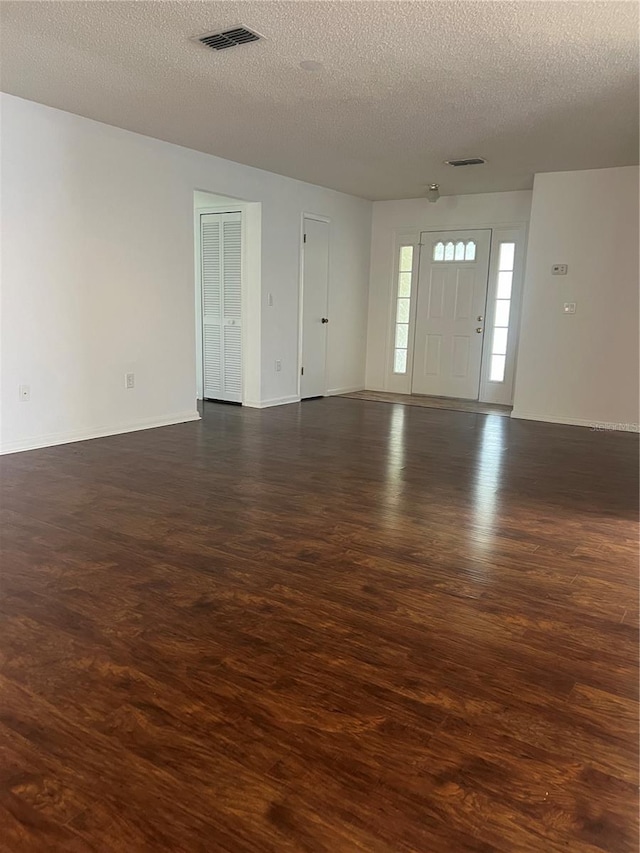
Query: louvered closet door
x=221 y=306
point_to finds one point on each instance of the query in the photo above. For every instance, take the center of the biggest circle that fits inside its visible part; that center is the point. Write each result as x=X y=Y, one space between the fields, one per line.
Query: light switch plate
x=559 y=269
x=569 y=307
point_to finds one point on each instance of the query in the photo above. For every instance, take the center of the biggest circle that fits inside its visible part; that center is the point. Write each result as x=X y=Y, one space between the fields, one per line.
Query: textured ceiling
x=531 y=86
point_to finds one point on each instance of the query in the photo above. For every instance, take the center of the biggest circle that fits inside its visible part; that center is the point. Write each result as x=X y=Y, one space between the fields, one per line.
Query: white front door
x=221 y=274
x=315 y=294
x=450 y=312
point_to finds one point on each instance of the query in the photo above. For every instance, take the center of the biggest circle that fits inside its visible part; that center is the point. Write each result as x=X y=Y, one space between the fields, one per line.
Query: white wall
x=581 y=368
x=392 y=219
x=98 y=276
x=201 y=199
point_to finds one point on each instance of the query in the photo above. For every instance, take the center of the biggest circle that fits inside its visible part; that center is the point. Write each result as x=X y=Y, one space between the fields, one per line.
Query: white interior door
x=450 y=312
x=315 y=295
x=221 y=273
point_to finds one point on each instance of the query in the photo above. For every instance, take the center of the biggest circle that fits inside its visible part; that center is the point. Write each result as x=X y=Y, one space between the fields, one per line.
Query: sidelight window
x=403 y=309
x=506 y=263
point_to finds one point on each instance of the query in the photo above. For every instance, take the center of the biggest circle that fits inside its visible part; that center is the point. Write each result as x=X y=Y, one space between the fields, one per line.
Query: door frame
x=318 y=218
x=198 y=213
x=486 y=298
x=410 y=236
x=250 y=273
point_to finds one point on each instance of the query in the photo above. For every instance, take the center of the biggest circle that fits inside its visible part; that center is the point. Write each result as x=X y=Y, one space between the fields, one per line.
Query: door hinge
x=302 y=371
x=304 y=238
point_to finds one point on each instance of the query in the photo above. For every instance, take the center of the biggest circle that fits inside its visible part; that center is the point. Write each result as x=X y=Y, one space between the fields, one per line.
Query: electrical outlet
x=559 y=269
x=278 y=365
x=24 y=393
x=129 y=381
x=569 y=308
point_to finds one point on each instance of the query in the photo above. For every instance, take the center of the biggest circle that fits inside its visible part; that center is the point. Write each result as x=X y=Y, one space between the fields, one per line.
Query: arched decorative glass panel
x=506 y=262
x=460 y=251
x=403 y=308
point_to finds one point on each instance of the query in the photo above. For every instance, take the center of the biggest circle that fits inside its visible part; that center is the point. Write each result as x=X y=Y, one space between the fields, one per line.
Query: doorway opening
x=227 y=298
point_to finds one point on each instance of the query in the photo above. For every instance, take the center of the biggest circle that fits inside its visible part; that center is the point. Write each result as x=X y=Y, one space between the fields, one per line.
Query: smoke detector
x=232 y=37
x=466 y=161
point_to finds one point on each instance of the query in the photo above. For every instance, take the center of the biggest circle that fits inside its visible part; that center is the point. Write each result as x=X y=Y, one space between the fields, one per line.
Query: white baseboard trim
x=275 y=401
x=333 y=392
x=55 y=438
x=596 y=426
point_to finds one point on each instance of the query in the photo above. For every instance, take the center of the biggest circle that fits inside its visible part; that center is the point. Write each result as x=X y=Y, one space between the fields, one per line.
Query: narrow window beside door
x=506 y=263
x=403 y=309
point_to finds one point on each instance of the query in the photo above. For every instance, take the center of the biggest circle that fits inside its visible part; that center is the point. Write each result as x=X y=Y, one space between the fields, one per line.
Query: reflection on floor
x=450 y=403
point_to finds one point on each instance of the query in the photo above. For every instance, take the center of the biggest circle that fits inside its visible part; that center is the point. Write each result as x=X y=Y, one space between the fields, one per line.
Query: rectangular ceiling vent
x=467 y=161
x=228 y=38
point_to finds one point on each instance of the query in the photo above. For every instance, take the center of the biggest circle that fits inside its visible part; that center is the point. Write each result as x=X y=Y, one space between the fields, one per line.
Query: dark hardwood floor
x=336 y=626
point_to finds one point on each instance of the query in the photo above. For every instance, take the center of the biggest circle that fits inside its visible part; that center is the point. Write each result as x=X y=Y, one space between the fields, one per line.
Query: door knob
x=325 y=319
x=480 y=318
x=479 y=330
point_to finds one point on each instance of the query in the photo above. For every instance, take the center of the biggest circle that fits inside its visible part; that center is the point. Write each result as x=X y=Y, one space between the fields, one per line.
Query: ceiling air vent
x=228 y=38
x=467 y=161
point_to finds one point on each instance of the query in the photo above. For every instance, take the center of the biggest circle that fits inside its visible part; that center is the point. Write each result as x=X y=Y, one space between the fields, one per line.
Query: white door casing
x=221 y=275
x=450 y=313
x=315 y=294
